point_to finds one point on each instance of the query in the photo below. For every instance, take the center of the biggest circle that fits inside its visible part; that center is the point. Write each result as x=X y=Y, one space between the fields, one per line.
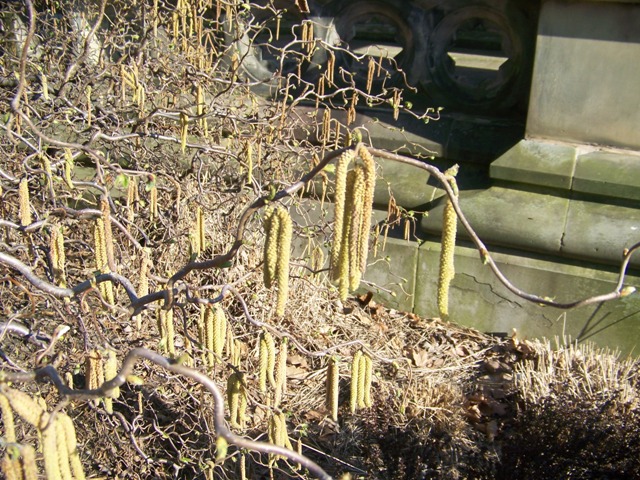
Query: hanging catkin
x=447 y=248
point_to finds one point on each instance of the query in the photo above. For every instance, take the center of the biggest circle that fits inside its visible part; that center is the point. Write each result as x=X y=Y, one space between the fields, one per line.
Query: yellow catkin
x=230 y=345
x=333 y=387
x=271 y=358
x=371 y=67
x=317 y=258
x=355 y=381
x=447 y=270
x=286 y=442
x=273 y=427
x=58 y=257
x=132 y=190
x=153 y=202
x=25 y=406
x=108 y=233
x=368 y=376
x=342 y=166
x=249 y=155
x=25 y=204
x=202 y=238
x=336 y=140
x=72 y=446
x=362 y=374
x=282 y=264
x=145 y=264
x=100 y=247
x=281 y=430
x=326 y=125
x=202 y=333
x=209 y=334
x=263 y=364
x=94 y=371
x=351 y=111
x=237 y=399
x=11 y=468
x=356 y=206
x=305 y=28
x=310 y=38
x=87 y=93
x=331 y=64
x=68 y=167
x=111 y=371
x=106 y=288
x=267 y=360
x=68 y=379
x=243 y=467
x=169 y=329
x=219 y=331
x=50 y=453
x=7 y=420
x=281 y=372
x=29 y=467
x=241 y=419
x=184 y=130
x=396 y=104
x=346 y=246
x=320 y=90
x=277 y=432
x=143 y=280
x=236 y=356
x=272 y=227
x=233 y=397
x=46 y=165
x=367 y=210
x=61 y=449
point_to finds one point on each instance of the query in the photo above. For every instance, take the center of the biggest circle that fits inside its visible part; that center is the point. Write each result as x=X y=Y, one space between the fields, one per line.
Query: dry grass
x=448 y=402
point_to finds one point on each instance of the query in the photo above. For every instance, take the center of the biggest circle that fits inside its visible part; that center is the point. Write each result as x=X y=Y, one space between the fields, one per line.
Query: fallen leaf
x=420 y=357
x=297 y=360
x=297 y=373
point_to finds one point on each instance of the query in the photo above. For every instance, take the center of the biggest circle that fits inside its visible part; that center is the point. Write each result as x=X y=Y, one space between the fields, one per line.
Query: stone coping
x=572 y=168
x=545 y=223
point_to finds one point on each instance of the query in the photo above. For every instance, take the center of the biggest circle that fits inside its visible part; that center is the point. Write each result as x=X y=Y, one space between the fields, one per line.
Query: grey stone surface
x=405 y=274
x=478 y=300
x=408 y=185
x=516 y=218
x=585 y=81
x=458 y=137
x=481 y=140
x=537 y=163
x=600 y=232
x=612 y=174
x=391 y=274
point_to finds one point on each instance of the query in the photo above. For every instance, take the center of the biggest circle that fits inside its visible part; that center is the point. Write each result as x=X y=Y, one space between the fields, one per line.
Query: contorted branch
x=219 y=261
x=128 y=363
x=617 y=292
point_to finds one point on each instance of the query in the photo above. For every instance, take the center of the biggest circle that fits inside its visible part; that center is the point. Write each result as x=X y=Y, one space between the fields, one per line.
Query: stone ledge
x=602 y=172
x=611 y=174
x=546 y=224
x=478 y=300
x=511 y=218
x=405 y=276
x=536 y=162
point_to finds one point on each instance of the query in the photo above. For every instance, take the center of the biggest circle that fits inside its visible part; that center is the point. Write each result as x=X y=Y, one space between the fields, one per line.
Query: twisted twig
x=485 y=256
x=137 y=304
x=128 y=363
